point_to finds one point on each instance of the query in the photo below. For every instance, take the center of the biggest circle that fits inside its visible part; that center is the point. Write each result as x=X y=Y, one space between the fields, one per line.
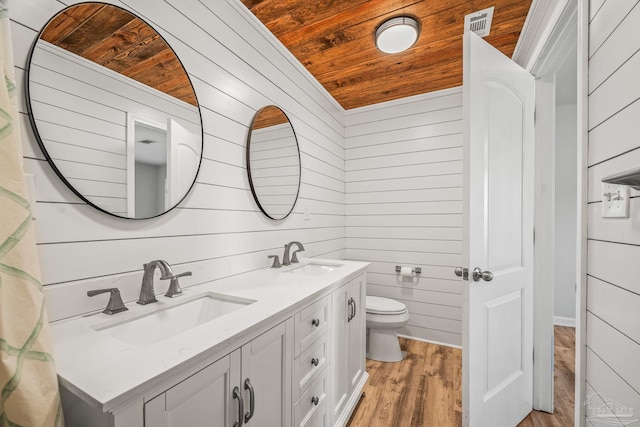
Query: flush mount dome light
x=397 y=34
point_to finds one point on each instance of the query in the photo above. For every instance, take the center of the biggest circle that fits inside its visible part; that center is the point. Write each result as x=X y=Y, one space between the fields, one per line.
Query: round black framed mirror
x=273 y=162
x=114 y=111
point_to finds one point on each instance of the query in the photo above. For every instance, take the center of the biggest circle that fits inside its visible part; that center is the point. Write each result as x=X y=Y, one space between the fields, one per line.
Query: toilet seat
x=384 y=306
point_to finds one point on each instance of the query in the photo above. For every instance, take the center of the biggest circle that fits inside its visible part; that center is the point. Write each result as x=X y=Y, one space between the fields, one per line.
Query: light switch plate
x=615 y=201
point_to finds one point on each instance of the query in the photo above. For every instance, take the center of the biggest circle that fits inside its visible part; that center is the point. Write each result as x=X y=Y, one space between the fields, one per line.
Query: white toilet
x=384 y=317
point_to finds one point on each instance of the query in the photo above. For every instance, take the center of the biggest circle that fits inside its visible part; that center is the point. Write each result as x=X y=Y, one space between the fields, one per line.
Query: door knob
x=478 y=274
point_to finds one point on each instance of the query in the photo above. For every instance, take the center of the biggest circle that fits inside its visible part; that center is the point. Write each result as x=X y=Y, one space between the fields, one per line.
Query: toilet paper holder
x=414 y=270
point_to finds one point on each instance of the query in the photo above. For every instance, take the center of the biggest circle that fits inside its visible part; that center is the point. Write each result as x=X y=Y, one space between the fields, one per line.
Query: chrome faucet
x=294 y=258
x=147 y=293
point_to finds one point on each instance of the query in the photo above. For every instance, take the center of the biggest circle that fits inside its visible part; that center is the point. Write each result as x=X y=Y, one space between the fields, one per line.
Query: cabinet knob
x=315 y=361
x=315 y=322
x=315 y=400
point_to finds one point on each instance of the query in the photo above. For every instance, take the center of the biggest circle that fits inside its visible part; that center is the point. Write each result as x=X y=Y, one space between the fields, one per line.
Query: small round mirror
x=273 y=162
x=114 y=111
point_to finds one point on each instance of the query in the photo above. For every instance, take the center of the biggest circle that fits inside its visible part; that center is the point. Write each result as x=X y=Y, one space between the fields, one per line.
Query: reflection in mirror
x=273 y=162
x=114 y=111
x=149 y=168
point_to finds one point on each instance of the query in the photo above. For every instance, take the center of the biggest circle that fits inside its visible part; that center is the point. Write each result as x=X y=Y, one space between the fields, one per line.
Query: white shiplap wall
x=218 y=230
x=404 y=206
x=613 y=290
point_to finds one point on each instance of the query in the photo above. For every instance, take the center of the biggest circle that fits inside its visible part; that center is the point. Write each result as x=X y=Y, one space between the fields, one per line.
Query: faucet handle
x=174 y=286
x=175 y=276
x=294 y=257
x=276 y=261
x=115 y=304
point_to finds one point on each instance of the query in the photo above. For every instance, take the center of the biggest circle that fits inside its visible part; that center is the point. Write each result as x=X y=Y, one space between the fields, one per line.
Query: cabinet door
x=339 y=378
x=266 y=364
x=202 y=400
x=357 y=331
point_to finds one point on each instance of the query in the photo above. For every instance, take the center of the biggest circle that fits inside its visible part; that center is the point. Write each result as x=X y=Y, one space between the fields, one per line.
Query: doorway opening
x=147 y=167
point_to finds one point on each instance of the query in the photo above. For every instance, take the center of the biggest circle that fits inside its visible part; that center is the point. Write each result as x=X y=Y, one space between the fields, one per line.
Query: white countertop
x=107 y=372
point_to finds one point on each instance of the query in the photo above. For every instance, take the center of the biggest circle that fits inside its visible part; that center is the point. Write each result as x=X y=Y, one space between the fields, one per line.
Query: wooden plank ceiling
x=116 y=39
x=334 y=40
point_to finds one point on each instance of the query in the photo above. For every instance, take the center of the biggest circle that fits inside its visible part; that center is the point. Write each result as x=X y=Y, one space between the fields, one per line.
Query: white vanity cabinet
x=294 y=357
x=259 y=372
x=348 y=346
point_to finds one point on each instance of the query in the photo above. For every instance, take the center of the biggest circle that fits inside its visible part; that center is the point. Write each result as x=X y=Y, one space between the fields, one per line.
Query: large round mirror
x=273 y=162
x=114 y=111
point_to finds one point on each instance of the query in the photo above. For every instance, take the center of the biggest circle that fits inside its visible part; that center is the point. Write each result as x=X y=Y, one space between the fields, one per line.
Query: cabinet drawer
x=309 y=364
x=311 y=323
x=319 y=417
x=306 y=412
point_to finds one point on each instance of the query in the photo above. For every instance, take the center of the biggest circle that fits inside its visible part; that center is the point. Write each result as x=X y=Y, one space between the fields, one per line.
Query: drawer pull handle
x=252 y=402
x=238 y=395
x=315 y=322
x=315 y=361
x=315 y=400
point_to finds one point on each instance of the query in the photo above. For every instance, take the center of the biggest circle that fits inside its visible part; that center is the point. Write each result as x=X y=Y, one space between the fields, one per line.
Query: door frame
x=540 y=51
x=581 y=252
x=561 y=41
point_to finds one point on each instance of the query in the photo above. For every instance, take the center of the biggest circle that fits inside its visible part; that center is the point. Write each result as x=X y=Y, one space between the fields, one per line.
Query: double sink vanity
x=274 y=347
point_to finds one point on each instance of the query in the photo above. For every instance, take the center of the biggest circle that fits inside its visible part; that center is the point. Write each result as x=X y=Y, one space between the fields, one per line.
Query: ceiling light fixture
x=397 y=34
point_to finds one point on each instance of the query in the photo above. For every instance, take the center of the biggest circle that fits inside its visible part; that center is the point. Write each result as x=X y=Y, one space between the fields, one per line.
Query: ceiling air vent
x=479 y=22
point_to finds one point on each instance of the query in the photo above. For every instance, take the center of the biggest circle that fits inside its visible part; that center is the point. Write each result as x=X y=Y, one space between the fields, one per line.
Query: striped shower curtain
x=28 y=384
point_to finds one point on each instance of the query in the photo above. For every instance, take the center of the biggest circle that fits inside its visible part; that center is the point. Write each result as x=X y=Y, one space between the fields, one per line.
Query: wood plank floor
x=425 y=389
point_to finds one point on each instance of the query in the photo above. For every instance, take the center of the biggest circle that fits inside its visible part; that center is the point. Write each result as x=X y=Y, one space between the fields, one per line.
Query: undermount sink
x=159 y=325
x=314 y=269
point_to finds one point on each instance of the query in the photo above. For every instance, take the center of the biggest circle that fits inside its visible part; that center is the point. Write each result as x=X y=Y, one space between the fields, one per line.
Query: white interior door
x=498 y=231
x=183 y=158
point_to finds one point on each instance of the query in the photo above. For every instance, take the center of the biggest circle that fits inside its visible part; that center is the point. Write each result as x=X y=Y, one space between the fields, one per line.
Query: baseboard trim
x=344 y=418
x=564 y=321
x=430 y=341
